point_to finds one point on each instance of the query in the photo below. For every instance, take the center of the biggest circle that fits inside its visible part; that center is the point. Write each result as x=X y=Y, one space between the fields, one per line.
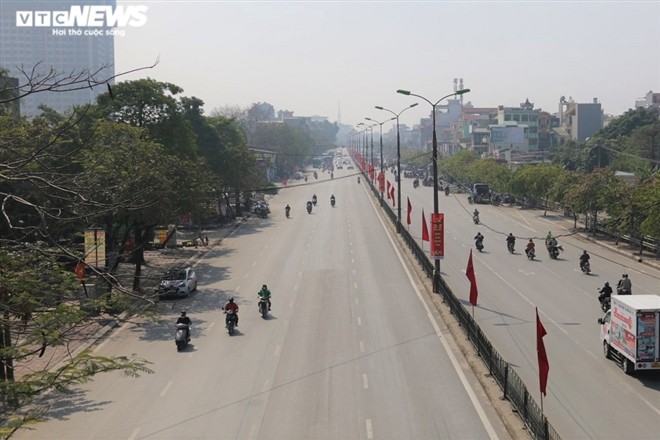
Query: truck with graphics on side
x=630 y=332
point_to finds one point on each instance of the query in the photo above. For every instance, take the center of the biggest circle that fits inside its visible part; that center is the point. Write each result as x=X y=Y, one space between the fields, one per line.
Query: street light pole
x=436 y=272
x=381 y=148
x=398 y=162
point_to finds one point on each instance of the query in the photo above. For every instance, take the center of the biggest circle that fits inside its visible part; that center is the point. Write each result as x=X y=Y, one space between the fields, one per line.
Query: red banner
x=437 y=236
x=371 y=172
x=381 y=182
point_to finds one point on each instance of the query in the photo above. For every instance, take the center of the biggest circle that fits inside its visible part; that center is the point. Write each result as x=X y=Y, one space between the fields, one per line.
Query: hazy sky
x=315 y=58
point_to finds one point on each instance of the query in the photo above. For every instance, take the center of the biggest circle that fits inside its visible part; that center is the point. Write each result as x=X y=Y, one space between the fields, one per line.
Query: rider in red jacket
x=231 y=305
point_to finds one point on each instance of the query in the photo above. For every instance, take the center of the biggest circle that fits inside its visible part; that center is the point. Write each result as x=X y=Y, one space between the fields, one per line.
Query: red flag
x=409 y=211
x=544 y=366
x=425 y=229
x=469 y=273
x=388 y=189
x=393 y=200
x=80 y=270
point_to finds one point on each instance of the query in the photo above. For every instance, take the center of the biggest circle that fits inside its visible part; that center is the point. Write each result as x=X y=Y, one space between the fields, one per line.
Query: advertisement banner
x=95 y=247
x=437 y=236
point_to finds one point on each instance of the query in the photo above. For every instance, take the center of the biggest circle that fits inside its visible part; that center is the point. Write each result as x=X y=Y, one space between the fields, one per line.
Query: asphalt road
x=588 y=396
x=351 y=349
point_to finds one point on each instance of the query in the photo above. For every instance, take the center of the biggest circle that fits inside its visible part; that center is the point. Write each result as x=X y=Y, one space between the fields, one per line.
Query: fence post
x=506 y=380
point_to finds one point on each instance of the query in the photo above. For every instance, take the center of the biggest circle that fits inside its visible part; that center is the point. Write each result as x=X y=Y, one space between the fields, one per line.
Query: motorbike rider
x=549 y=239
x=605 y=292
x=314 y=199
x=287 y=210
x=358 y=179
x=510 y=240
x=447 y=190
x=183 y=319
x=478 y=239
x=264 y=293
x=309 y=206
x=530 y=246
x=332 y=200
x=231 y=305
x=624 y=286
x=584 y=259
x=475 y=215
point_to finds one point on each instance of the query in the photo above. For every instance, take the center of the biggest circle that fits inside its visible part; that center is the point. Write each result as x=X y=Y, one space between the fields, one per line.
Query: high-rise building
x=35 y=44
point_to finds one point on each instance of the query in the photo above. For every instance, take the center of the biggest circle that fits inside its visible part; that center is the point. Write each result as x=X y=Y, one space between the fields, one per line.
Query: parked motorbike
x=586 y=268
x=230 y=321
x=263 y=307
x=180 y=338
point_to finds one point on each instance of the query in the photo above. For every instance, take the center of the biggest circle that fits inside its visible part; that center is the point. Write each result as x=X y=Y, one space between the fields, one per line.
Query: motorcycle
x=332 y=175
x=510 y=247
x=553 y=251
x=447 y=190
x=586 y=267
x=621 y=291
x=475 y=219
x=332 y=202
x=605 y=303
x=480 y=245
x=230 y=321
x=180 y=338
x=415 y=183
x=530 y=254
x=263 y=307
x=358 y=179
x=287 y=211
x=314 y=200
x=309 y=207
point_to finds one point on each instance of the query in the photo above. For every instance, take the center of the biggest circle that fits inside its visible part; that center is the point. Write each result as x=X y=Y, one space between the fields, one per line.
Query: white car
x=177 y=283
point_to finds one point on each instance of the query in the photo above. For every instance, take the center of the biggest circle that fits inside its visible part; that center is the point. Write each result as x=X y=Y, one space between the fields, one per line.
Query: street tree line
x=581 y=177
x=140 y=157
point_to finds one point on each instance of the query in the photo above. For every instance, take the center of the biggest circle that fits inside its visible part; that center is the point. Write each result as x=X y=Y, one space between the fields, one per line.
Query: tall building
x=578 y=121
x=33 y=45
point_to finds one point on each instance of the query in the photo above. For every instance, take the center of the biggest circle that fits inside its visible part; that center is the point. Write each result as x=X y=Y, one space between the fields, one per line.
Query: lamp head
x=379 y=107
x=462 y=91
x=403 y=92
x=413 y=105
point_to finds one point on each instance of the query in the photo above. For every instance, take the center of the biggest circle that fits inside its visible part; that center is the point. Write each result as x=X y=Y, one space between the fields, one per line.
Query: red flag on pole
x=425 y=229
x=469 y=273
x=408 y=221
x=544 y=366
x=388 y=189
x=80 y=270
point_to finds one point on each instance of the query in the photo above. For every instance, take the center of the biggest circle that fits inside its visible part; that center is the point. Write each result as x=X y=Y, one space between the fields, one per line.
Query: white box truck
x=630 y=332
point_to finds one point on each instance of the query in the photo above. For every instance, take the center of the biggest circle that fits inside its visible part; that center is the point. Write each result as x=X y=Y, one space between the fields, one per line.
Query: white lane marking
x=355 y=284
x=211 y=325
x=254 y=264
x=526 y=273
x=361 y=346
x=359 y=321
x=167 y=387
x=457 y=368
x=365 y=382
x=277 y=351
x=352 y=260
x=528 y=223
x=134 y=434
x=370 y=432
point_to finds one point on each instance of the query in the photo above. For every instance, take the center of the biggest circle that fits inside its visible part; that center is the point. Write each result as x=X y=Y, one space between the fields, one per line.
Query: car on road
x=350 y=167
x=177 y=283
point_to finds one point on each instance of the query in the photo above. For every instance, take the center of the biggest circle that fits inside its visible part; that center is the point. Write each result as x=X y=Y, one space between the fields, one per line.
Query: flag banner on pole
x=544 y=366
x=469 y=273
x=388 y=189
x=425 y=229
x=393 y=199
x=409 y=220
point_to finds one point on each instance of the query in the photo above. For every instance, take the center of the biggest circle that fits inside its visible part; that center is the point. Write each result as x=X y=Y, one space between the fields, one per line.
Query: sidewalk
x=157 y=262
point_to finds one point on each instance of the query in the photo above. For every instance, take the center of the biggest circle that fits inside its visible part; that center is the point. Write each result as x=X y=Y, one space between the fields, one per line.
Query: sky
x=340 y=59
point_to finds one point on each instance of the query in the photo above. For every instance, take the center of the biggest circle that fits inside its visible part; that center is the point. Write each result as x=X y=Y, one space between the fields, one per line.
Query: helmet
x=530 y=240
x=584 y=251
x=606 y=283
x=183 y=313
x=264 y=287
x=625 y=275
x=510 y=234
x=231 y=300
